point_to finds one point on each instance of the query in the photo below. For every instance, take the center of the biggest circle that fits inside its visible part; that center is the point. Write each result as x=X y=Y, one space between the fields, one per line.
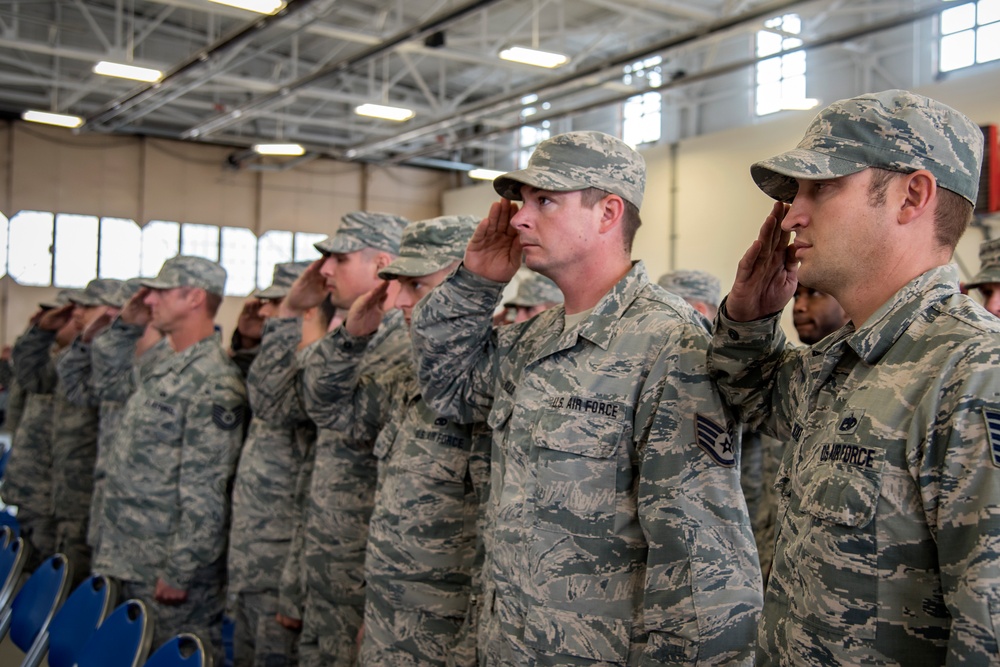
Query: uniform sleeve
x=112 y=360
x=213 y=434
x=74 y=369
x=357 y=404
x=33 y=365
x=272 y=381
x=959 y=476
x=749 y=361
x=456 y=347
x=703 y=594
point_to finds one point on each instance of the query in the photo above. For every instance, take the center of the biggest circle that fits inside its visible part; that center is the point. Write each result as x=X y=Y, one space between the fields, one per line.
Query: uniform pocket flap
x=561 y=632
x=844 y=490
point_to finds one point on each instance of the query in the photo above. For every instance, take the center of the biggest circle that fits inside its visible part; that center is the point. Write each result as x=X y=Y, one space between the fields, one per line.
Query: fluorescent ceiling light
x=803 y=104
x=520 y=54
x=127 y=71
x=385 y=112
x=60 y=119
x=485 y=174
x=260 y=6
x=279 y=149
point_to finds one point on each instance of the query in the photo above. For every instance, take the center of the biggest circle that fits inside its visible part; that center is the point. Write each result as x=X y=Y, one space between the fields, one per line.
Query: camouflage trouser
x=96 y=514
x=409 y=637
x=39 y=533
x=258 y=639
x=329 y=633
x=71 y=541
x=200 y=614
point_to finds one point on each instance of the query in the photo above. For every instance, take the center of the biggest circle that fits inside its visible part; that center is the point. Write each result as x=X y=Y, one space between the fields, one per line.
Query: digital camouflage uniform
x=617 y=530
x=889 y=488
x=431 y=472
x=265 y=509
x=323 y=575
x=169 y=471
x=989 y=264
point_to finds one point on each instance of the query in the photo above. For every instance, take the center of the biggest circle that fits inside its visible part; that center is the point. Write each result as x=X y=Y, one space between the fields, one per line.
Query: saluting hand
x=367 y=311
x=768 y=273
x=57 y=318
x=308 y=291
x=494 y=251
x=135 y=310
x=98 y=324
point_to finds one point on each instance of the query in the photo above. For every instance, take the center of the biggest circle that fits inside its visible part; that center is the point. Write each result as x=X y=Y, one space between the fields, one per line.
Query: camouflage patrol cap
x=894 y=130
x=362 y=229
x=125 y=291
x=284 y=275
x=431 y=245
x=580 y=160
x=989 y=264
x=61 y=298
x=96 y=292
x=535 y=290
x=693 y=286
x=186 y=271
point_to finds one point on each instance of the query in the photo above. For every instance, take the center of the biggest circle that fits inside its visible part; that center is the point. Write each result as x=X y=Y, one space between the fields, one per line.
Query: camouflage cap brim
x=82 y=299
x=271 y=293
x=776 y=176
x=340 y=244
x=509 y=185
x=985 y=277
x=413 y=267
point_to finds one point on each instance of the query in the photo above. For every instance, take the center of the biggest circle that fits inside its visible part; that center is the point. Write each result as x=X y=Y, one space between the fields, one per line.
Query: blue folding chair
x=77 y=619
x=122 y=640
x=36 y=603
x=183 y=650
x=12 y=559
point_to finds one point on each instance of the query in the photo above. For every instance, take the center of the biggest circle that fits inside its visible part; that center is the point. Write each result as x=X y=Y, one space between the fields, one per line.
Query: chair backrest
x=122 y=640
x=77 y=619
x=12 y=558
x=37 y=601
x=183 y=650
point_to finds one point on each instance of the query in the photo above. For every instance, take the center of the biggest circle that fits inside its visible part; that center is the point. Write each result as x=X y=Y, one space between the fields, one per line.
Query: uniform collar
x=177 y=361
x=602 y=324
x=888 y=323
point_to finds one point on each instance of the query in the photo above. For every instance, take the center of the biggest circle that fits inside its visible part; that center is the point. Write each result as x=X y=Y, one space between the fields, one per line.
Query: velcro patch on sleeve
x=716 y=440
x=227 y=418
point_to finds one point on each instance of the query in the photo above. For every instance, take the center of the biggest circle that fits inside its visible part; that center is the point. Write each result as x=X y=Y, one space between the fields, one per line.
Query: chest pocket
x=577 y=472
x=843 y=486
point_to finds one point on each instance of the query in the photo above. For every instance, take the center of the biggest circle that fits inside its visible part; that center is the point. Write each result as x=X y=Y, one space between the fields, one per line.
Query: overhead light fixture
x=279 y=149
x=384 y=112
x=485 y=174
x=803 y=104
x=60 y=119
x=259 y=6
x=521 y=54
x=123 y=71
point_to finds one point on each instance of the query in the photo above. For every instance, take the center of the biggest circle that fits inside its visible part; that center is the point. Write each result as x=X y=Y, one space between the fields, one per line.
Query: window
x=781 y=80
x=239 y=259
x=970 y=34
x=273 y=248
x=30 y=260
x=200 y=241
x=75 y=251
x=3 y=245
x=304 y=246
x=528 y=137
x=121 y=249
x=641 y=114
x=161 y=240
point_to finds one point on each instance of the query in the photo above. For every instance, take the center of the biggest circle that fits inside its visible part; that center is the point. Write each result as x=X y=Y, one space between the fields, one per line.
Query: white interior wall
x=718 y=207
x=143 y=179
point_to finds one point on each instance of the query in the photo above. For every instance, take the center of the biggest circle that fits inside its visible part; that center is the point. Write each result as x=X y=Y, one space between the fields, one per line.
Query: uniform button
x=348 y=345
x=733 y=334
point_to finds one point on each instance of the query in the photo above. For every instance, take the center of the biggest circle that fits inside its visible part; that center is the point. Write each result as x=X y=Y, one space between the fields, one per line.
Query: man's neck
x=864 y=300
x=583 y=288
x=189 y=335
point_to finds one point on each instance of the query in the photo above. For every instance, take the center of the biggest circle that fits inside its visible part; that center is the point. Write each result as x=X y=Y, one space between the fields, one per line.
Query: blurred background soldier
x=987 y=281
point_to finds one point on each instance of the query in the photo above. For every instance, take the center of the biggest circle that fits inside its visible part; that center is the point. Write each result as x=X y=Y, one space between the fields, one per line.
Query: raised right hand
x=367 y=311
x=494 y=251
x=308 y=291
x=135 y=310
x=57 y=318
x=768 y=273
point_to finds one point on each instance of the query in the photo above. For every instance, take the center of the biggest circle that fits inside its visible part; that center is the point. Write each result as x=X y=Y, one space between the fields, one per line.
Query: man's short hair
x=952 y=212
x=630 y=217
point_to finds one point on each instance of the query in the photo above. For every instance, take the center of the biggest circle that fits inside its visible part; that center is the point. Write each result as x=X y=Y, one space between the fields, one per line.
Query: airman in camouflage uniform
x=987 y=281
x=323 y=575
x=699 y=288
x=169 y=470
x=535 y=294
x=264 y=493
x=422 y=533
x=889 y=486
x=28 y=476
x=619 y=532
